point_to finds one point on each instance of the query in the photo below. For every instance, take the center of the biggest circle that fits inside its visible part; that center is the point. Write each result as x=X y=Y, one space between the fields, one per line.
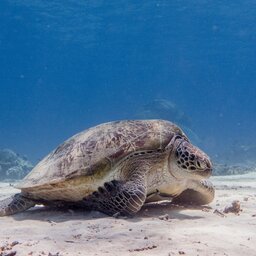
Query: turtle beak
x=206 y=173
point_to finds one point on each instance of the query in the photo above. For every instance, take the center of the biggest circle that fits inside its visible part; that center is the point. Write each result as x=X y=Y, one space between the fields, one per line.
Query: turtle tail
x=14 y=204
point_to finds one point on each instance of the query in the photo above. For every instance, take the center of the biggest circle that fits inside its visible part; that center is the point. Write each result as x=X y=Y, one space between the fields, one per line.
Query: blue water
x=68 y=65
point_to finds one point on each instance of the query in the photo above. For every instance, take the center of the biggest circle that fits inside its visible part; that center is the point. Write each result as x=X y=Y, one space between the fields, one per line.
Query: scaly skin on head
x=186 y=160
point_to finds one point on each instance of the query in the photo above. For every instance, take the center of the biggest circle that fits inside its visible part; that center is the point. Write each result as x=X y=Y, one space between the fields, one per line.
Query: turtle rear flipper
x=14 y=204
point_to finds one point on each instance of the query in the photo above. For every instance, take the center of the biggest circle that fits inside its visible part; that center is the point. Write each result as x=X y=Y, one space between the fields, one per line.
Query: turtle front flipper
x=198 y=193
x=120 y=197
x=14 y=204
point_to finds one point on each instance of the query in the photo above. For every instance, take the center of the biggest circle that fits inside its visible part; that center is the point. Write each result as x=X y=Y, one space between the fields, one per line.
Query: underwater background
x=69 y=65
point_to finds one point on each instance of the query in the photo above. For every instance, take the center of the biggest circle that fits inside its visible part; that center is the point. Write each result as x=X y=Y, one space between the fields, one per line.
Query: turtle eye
x=198 y=164
x=201 y=164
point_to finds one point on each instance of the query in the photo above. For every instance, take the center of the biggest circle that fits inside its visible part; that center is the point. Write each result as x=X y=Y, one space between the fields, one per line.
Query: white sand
x=188 y=231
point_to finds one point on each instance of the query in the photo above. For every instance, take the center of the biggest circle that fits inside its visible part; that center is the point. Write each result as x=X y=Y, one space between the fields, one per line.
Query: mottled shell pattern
x=98 y=149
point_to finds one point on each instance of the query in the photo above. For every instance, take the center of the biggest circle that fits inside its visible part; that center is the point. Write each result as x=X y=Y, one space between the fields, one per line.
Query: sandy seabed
x=160 y=229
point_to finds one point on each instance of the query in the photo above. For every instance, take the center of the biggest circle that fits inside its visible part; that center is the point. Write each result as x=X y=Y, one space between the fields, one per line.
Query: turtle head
x=186 y=160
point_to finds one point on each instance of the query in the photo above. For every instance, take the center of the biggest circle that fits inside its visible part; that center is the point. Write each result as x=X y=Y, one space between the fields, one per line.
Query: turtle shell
x=98 y=149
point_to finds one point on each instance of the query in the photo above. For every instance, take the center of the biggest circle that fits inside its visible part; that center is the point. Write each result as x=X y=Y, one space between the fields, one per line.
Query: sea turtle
x=115 y=168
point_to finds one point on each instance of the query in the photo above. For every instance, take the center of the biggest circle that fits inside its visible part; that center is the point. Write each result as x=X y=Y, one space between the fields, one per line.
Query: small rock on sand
x=234 y=207
x=164 y=217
